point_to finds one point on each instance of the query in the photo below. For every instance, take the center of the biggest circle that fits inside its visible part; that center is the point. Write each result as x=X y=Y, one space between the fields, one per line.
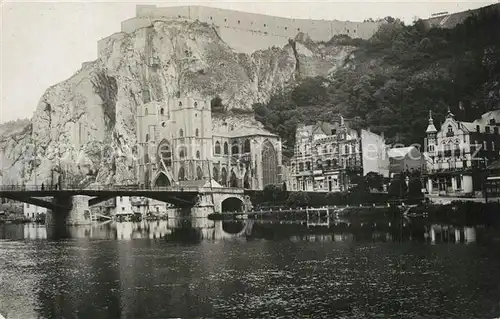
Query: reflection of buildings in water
x=469 y=234
x=35 y=231
x=144 y=229
x=445 y=233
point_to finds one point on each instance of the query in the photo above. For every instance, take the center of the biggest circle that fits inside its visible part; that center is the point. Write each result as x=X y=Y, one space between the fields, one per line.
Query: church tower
x=192 y=138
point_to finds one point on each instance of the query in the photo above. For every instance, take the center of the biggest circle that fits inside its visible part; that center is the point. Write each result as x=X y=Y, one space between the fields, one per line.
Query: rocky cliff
x=83 y=128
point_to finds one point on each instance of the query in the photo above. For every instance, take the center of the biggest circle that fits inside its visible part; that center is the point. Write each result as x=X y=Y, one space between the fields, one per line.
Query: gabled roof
x=246 y=131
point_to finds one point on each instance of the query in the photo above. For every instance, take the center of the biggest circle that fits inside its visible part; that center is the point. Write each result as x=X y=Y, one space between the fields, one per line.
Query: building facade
x=32 y=211
x=326 y=154
x=177 y=144
x=458 y=152
x=405 y=159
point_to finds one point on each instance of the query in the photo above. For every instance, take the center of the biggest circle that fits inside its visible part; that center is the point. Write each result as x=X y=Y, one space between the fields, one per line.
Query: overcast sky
x=44 y=43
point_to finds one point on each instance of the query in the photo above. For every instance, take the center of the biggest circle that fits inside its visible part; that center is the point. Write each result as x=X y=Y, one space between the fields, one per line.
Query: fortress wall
x=318 y=30
x=248 y=32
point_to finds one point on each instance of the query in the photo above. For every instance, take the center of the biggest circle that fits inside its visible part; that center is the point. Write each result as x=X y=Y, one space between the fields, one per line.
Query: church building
x=180 y=148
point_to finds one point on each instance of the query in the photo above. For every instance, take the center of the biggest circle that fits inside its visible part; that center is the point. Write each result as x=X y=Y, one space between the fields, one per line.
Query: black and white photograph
x=250 y=159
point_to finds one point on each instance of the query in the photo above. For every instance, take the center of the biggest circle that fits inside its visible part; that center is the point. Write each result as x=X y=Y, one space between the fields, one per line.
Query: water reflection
x=202 y=229
x=191 y=268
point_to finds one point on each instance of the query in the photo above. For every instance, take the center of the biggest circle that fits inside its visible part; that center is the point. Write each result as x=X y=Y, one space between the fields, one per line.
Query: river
x=201 y=268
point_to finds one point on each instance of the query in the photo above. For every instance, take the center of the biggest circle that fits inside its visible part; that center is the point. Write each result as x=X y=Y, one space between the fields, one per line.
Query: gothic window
x=162 y=111
x=223 y=177
x=199 y=173
x=182 y=152
x=217 y=148
x=147 y=137
x=308 y=166
x=165 y=153
x=198 y=154
x=182 y=174
x=246 y=146
x=347 y=149
x=269 y=164
x=181 y=133
x=235 y=149
x=215 y=174
x=180 y=103
x=195 y=104
x=246 y=181
x=233 y=182
x=197 y=132
x=226 y=148
x=301 y=167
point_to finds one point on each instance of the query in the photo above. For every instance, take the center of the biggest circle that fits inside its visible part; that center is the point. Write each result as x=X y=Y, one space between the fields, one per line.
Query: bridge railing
x=31 y=187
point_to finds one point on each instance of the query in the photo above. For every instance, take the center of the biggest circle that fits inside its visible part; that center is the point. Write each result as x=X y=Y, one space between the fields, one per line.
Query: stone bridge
x=71 y=206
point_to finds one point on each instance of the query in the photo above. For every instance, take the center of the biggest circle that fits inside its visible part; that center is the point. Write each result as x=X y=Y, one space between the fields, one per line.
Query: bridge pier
x=71 y=210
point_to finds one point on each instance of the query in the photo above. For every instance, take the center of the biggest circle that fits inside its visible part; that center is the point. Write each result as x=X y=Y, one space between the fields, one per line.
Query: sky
x=44 y=43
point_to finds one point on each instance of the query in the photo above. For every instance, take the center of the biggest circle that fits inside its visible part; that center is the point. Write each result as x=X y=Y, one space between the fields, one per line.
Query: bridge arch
x=232 y=204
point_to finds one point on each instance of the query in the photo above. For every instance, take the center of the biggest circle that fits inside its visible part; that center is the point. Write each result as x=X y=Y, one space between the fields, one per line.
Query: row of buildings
x=452 y=160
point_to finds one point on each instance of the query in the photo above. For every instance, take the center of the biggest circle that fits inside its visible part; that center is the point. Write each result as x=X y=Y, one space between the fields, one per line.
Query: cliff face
x=84 y=127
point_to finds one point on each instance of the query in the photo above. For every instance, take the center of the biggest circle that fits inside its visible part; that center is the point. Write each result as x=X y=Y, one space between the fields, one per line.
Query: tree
x=298 y=199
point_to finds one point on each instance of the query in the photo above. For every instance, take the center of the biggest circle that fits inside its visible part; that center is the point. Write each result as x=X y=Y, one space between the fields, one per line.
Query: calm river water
x=202 y=268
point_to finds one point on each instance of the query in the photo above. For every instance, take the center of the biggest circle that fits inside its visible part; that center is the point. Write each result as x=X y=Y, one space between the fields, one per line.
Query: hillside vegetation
x=391 y=81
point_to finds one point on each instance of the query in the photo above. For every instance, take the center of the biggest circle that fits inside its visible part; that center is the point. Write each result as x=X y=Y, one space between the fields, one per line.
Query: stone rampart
x=248 y=32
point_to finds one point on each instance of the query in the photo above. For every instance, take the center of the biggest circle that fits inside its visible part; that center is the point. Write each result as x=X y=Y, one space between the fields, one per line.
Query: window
x=197 y=132
x=182 y=152
x=298 y=29
x=301 y=167
x=485 y=145
x=495 y=130
x=162 y=111
x=325 y=149
x=450 y=131
x=459 y=182
x=147 y=137
x=217 y=148
x=27 y=205
x=181 y=133
x=347 y=149
x=492 y=122
x=238 y=21
x=318 y=164
x=464 y=164
x=265 y=25
x=180 y=103
x=121 y=199
x=163 y=124
x=226 y=148
x=211 y=18
x=235 y=149
x=195 y=104
x=286 y=28
x=198 y=154
x=308 y=166
x=246 y=146
x=146 y=111
x=478 y=129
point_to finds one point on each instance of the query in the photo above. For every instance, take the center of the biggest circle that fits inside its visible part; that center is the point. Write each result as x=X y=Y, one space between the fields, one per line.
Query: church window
x=246 y=146
x=195 y=104
x=235 y=149
x=199 y=173
x=226 y=148
x=197 y=132
x=182 y=174
x=198 y=154
x=163 y=124
x=181 y=133
x=162 y=111
x=180 y=103
x=217 y=148
x=147 y=137
x=182 y=152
